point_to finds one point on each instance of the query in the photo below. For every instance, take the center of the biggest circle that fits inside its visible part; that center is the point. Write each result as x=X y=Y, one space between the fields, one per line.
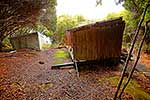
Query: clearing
x=27 y=75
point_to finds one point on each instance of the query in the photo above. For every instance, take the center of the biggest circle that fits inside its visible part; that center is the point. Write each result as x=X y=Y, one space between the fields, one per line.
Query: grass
x=46 y=46
x=60 y=55
x=133 y=88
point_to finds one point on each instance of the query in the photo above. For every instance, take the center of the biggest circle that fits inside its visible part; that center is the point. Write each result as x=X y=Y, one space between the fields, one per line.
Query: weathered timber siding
x=32 y=41
x=27 y=41
x=97 y=41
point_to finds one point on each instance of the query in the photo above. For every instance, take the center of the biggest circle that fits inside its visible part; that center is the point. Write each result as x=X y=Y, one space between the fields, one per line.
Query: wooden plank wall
x=97 y=42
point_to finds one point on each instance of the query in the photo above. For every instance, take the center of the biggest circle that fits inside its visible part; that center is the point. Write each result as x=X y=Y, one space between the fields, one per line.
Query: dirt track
x=27 y=75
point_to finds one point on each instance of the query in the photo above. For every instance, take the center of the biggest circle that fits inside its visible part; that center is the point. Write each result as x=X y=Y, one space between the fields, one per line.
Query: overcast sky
x=87 y=8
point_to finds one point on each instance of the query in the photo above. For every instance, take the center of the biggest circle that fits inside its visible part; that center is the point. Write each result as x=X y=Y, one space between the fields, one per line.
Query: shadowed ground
x=27 y=75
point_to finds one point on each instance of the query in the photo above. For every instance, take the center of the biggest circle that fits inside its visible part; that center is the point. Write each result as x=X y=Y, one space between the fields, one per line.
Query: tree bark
x=137 y=59
x=130 y=52
x=1 y=44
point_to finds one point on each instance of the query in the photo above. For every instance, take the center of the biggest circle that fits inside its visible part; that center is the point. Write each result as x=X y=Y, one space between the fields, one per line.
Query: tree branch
x=137 y=59
x=130 y=52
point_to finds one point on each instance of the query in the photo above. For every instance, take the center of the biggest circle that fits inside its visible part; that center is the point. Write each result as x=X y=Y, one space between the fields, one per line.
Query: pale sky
x=87 y=8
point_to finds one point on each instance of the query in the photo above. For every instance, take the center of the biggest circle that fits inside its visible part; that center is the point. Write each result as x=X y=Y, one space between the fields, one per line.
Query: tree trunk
x=130 y=52
x=1 y=44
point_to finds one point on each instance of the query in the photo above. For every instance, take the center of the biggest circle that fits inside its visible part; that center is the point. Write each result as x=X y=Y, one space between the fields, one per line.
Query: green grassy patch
x=46 y=46
x=61 y=54
x=133 y=88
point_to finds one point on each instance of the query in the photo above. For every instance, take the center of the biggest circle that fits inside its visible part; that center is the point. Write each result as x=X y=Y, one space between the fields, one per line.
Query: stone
x=141 y=67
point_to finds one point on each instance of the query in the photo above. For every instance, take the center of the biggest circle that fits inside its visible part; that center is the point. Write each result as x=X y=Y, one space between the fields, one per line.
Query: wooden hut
x=33 y=40
x=98 y=41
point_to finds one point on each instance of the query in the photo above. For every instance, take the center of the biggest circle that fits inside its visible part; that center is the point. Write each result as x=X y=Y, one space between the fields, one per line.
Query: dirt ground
x=27 y=75
x=145 y=59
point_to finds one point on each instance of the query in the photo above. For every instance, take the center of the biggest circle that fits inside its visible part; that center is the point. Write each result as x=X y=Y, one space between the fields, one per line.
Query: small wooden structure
x=98 y=41
x=33 y=40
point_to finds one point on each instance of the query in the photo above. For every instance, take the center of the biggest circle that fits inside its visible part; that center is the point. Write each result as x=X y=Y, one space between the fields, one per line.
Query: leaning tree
x=17 y=14
x=140 y=10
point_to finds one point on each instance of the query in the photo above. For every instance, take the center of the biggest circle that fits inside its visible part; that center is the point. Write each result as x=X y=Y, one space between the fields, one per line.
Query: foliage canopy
x=18 y=15
x=65 y=22
x=132 y=15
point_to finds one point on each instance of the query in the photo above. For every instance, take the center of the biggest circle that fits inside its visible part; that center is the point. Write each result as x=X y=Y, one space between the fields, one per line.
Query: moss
x=46 y=86
x=46 y=46
x=133 y=88
x=61 y=54
x=58 y=61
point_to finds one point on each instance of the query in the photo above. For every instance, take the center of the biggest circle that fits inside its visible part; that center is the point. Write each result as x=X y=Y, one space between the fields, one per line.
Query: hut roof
x=105 y=23
x=23 y=35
